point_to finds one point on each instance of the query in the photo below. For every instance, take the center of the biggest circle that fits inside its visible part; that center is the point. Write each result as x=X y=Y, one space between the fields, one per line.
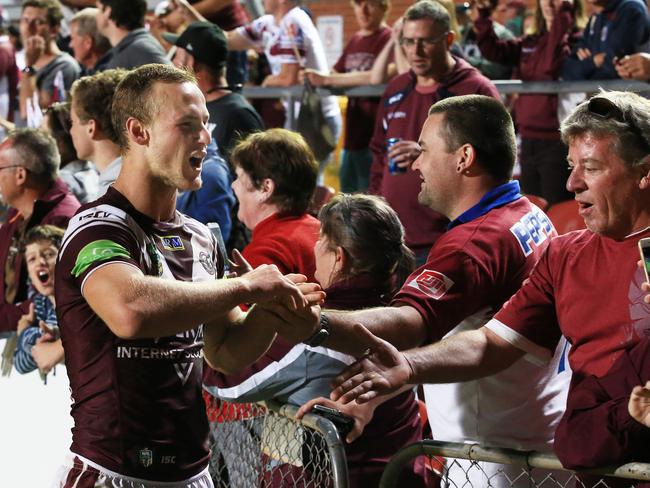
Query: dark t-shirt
x=137 y=404
x=136 y=49
x=359 y=55
x=233 y=118
x=57 y=76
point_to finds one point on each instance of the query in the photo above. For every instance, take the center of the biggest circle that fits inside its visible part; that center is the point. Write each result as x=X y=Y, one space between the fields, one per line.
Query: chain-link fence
x=263 y=445
x=457 y=465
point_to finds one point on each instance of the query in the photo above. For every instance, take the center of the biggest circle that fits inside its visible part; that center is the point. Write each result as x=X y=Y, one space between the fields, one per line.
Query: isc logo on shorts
x=432 y=284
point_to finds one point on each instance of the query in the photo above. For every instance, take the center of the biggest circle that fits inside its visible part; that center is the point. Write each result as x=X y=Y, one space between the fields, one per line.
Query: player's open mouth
x=196 y=159
x=43 y=276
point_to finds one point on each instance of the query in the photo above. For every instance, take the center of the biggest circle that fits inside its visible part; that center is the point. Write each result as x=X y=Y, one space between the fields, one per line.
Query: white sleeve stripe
x=538 y=355
x=101 y=266
x=94 y=223
x=80 y=221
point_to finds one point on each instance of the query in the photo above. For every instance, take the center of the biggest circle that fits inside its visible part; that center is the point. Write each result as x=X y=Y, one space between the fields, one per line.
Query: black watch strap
x=29 y=70
x=321 y=334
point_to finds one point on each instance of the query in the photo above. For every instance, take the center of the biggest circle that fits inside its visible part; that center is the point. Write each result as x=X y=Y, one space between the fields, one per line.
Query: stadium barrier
x=263 y=445
x=292 y=94
x=458 y=465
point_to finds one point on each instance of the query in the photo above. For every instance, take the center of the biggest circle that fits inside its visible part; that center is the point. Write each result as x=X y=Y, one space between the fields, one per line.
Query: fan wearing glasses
x=425 y=38
x=30 y=187
x=586 y=287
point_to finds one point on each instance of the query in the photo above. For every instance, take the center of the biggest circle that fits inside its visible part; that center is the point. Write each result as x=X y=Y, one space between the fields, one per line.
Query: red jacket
x=597 y=429
x=54 y=207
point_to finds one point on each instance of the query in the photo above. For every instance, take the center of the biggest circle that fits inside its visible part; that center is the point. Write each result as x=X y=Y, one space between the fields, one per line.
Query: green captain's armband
x=97 y=251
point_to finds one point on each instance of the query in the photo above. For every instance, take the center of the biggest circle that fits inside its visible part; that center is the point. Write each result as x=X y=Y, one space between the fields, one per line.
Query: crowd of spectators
x=134 y=126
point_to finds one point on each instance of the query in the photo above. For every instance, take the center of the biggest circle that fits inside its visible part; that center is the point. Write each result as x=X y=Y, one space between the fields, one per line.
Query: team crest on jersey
x=172 y=243
x=432 y=284
x=207 y=263
x=145 y=457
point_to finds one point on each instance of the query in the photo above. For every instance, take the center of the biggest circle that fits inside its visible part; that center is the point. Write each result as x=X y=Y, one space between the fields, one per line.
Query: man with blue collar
x=467 y=152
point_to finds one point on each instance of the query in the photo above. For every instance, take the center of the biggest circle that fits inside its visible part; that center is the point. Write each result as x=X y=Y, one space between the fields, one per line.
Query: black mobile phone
x=342 y=422
x=644 y=250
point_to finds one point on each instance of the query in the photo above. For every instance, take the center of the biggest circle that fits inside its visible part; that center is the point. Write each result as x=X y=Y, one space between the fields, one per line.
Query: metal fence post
x=526 y=460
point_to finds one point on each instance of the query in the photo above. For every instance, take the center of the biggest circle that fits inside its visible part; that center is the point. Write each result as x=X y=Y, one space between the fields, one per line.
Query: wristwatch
x=321 y=334
x=29 y=70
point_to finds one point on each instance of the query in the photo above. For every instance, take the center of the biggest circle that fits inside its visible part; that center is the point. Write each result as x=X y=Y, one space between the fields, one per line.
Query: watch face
x=319 y=338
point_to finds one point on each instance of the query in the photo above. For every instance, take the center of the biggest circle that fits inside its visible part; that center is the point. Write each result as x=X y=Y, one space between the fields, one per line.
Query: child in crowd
x=38 y=344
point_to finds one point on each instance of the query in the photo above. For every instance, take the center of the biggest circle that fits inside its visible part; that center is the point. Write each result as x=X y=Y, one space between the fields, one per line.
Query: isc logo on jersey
x=532 y=229
x=432 y=284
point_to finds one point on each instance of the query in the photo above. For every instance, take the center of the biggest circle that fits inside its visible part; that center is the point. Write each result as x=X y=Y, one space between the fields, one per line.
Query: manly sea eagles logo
x=207 y=263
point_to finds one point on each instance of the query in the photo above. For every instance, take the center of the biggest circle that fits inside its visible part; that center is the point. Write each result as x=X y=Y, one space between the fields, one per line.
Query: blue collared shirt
x=496 y=197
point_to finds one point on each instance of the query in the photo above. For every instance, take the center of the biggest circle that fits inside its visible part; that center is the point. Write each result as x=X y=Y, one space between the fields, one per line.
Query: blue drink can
x=392 y=165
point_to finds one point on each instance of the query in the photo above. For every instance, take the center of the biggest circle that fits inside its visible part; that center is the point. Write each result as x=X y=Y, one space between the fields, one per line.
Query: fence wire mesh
x=455 y=465
x=263 y=445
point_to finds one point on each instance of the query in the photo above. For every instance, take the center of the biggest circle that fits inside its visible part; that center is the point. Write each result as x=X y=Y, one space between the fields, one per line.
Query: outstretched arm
x=239 y=339
x=384 y=370
x=402 y=326
x=134 y=305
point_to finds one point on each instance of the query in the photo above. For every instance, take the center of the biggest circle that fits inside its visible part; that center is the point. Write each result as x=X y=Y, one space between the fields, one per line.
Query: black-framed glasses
x=424 y=42
x=604 y=108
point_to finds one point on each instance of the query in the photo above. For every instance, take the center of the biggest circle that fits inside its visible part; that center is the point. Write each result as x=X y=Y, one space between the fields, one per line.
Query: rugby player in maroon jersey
x=138 y=291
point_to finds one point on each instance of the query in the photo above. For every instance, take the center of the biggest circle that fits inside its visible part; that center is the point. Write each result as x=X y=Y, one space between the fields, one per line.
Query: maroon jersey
x=462 y=263
x=359 y=55
x=588 y=288
x=137 y=404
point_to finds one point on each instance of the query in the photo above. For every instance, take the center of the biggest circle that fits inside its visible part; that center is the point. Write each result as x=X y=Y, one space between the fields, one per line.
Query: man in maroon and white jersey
x=586 y=286
x=137 y=293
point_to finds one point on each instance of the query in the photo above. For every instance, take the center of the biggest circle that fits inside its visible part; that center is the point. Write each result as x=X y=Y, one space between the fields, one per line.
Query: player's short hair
x=134 y=96
x=485 y=124
x=284 y=157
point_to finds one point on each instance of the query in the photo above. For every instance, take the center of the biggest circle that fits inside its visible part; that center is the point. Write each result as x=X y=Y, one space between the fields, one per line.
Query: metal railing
x=472 y=465
x=263 y=445
x=293 y=93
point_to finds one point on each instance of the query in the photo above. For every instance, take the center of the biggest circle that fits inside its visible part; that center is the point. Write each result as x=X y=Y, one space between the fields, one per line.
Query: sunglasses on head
x=604 y=108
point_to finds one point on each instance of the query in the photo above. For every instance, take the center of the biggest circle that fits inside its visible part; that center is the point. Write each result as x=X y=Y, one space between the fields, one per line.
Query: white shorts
x=79 y=472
